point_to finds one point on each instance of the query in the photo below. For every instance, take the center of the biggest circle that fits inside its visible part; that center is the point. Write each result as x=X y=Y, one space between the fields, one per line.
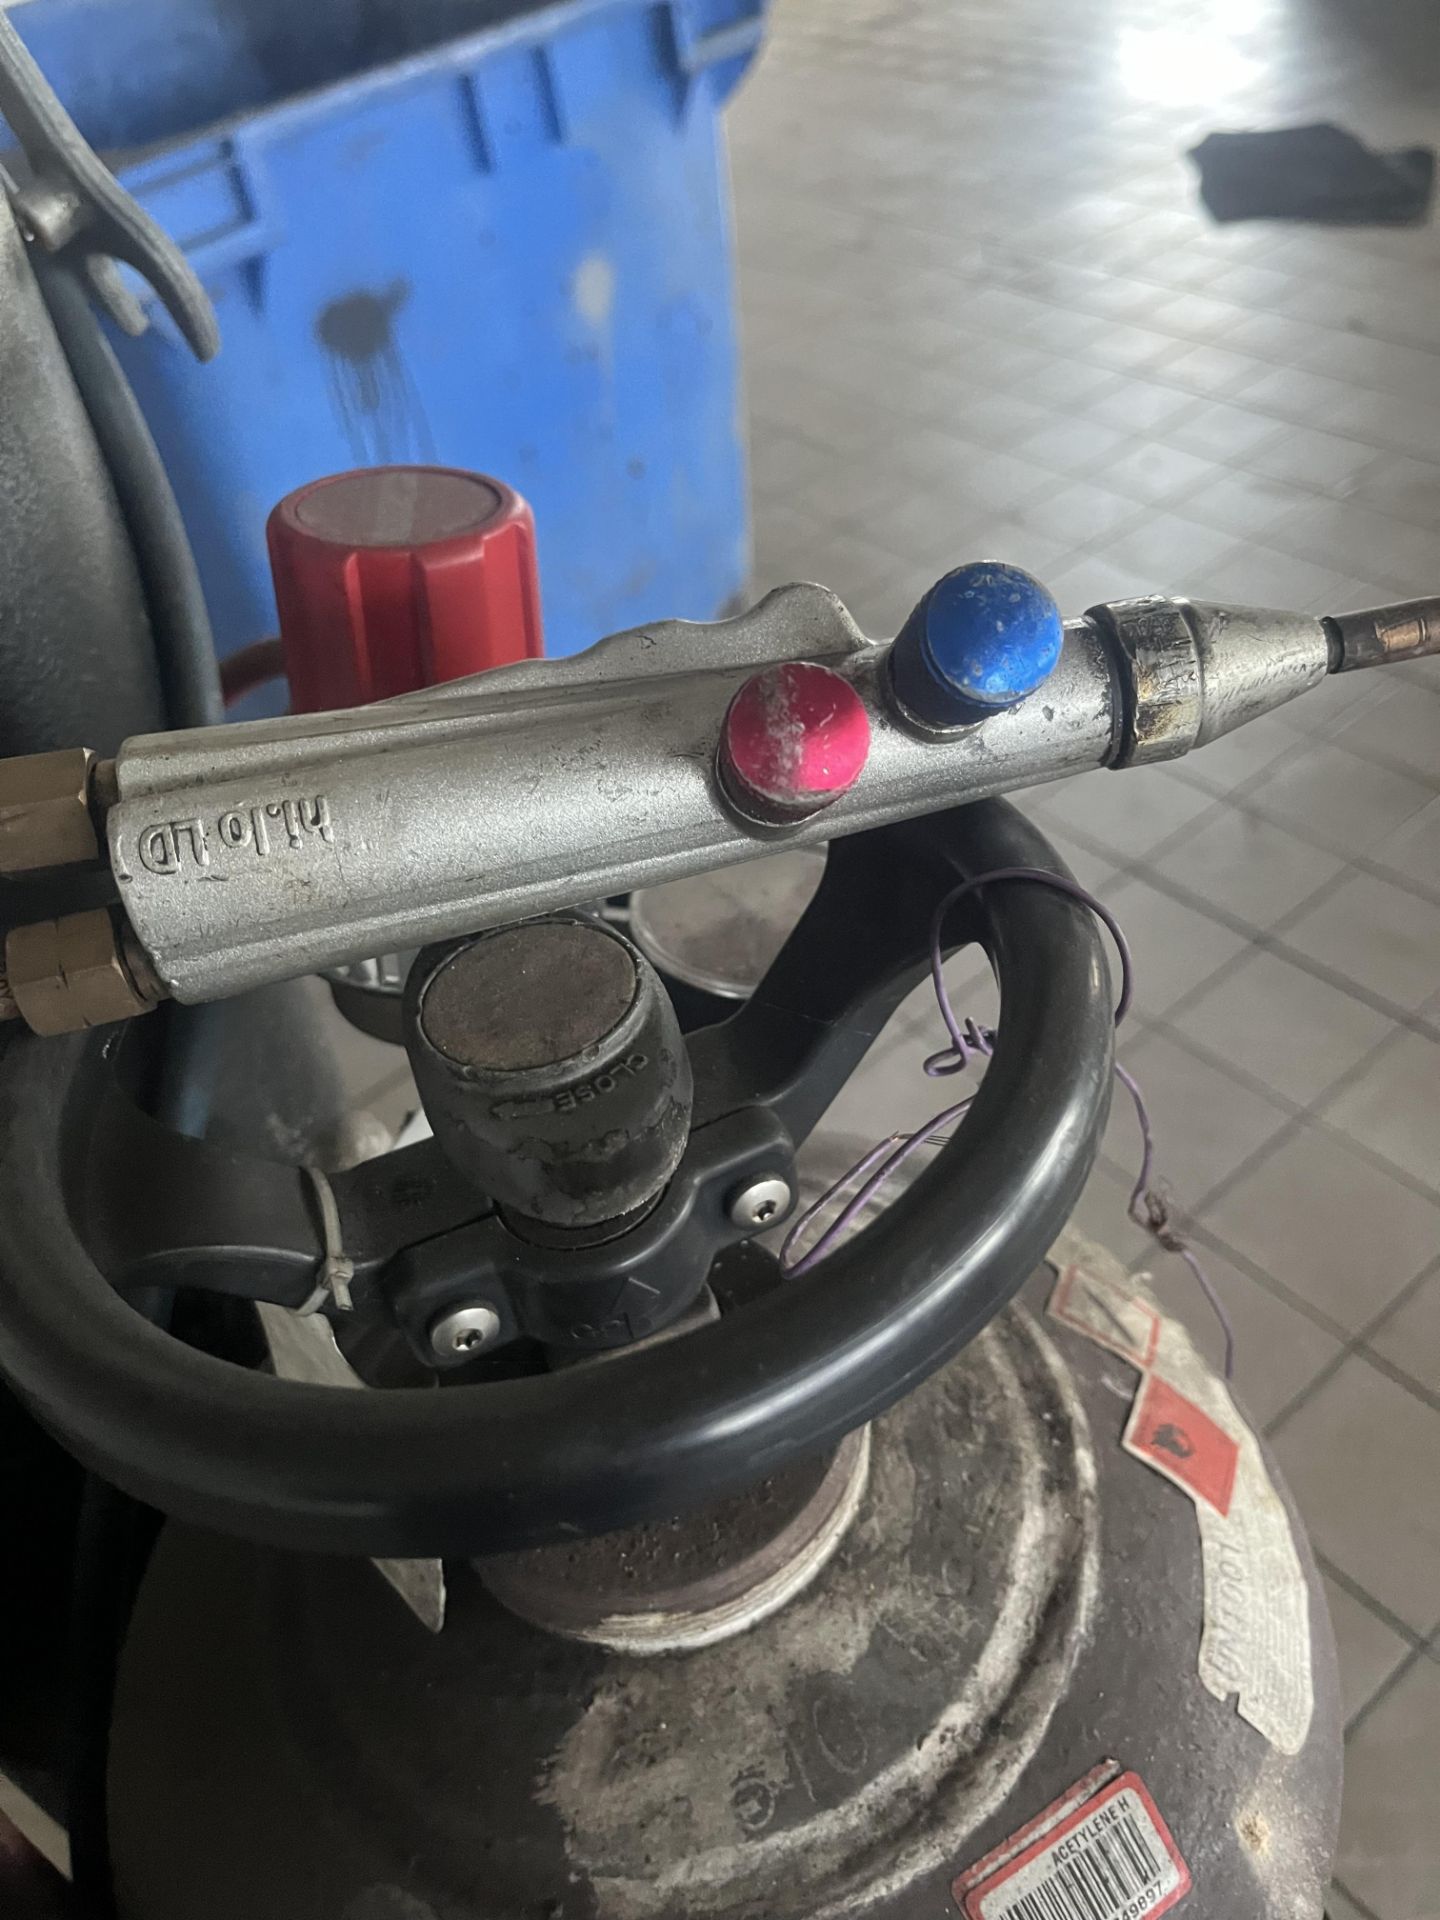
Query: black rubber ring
x=524 y=1462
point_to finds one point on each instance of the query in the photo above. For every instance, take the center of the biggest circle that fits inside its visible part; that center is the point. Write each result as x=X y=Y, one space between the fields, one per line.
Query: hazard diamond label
x=1181 y=1441
x=1183 y=1424
x=1111 y=1316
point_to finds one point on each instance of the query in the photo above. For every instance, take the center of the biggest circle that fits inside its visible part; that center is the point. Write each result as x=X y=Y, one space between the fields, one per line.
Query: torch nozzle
x=1381 y=635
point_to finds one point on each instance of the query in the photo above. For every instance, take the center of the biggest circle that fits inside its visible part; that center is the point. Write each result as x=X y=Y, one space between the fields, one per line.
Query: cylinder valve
x=552 y=1069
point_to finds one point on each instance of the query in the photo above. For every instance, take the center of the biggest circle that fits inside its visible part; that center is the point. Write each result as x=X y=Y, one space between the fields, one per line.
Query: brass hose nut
x=78 y=971
x=46 y=817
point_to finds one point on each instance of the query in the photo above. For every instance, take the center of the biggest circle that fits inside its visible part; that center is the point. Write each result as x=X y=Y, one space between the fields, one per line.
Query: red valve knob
x=390 y=579
x=795 y=738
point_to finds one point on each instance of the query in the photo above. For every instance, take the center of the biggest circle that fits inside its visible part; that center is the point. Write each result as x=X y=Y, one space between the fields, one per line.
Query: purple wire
x=898 y=1147
x=1148 y=1207
x=1071 y=888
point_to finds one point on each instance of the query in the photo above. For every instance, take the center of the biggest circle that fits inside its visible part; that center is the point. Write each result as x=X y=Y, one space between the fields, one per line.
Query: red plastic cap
x=390 y=579
x=795 y=738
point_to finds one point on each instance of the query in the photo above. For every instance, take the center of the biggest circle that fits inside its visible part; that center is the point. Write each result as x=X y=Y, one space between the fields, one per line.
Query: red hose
x=253 y=666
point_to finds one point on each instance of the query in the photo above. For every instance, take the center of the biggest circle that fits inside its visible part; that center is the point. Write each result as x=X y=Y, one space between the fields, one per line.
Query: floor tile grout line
x=1379 y=1161
x=1248 y=797
x=1289 y=1130
x=1365 y=1913
x=1406 y=769
x=1031 y=258
x=1243 y=800
x=1357 y=1346
x=1204 y=1237
x=1349 y=1339
x=1301 y=1118
x=951 y=427
x=1241 y=1075
x=1147 y=507
x=1415 y=1018
x=1304 y=1394
x=1159 y=877
x=1270 y=538
x=1319 y=322
x=1239 y=797
x=1362 y=1595
x=1386 y=1687
x=1267 y=940
x=1377 y=870
x=1312 y=1114
x=1427 y=1395
x=1242 y=797
x=1155 y=373
x=1294 y=1124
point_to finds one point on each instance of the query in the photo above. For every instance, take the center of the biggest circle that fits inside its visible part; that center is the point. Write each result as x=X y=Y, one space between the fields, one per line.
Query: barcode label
x=1110 y=1859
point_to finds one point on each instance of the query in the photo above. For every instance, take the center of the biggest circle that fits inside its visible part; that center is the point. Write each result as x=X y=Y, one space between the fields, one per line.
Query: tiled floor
x=982 y=315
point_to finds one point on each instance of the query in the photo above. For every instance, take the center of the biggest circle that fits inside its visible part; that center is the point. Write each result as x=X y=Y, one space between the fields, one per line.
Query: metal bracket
x=586 y=1299
x=73 y=205
x=306 y=1350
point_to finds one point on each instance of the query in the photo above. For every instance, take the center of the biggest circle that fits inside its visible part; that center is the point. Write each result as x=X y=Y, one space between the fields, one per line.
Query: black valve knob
x=552 y=1069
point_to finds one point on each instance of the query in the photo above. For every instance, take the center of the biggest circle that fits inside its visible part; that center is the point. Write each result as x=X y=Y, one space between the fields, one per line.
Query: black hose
x=184 y=644
x=113 y=1539
x=115 y=1532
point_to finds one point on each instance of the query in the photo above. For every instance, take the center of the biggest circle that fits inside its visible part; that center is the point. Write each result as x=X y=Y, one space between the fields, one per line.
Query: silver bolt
x=761 y=1202
x=465 y=1331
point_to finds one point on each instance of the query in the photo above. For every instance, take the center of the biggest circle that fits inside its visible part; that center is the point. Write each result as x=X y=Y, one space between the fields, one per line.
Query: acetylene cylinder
x=1064 y=1657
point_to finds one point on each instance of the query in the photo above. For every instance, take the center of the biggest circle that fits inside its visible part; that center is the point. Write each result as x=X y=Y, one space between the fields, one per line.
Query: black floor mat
x=1317 y=172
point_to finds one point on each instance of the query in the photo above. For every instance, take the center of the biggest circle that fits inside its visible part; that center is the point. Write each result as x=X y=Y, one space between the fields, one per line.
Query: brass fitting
x=48 y=810
x=82 y=970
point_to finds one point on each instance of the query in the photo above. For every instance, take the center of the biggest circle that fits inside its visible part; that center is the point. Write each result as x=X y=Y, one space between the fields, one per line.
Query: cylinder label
x=1255 y=1643
x=1099 y=1852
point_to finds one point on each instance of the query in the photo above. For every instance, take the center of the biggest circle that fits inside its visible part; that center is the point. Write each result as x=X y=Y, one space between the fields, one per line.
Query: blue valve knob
x=982 y=638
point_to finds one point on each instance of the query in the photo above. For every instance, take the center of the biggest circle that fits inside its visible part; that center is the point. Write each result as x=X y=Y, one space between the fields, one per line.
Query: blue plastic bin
x=508 y=250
